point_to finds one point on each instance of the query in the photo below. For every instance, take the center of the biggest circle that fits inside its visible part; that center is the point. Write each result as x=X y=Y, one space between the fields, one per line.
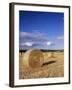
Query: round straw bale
x=33 y=58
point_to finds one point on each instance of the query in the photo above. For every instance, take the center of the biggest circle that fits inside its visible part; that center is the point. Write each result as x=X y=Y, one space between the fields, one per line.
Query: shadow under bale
x=50 y=62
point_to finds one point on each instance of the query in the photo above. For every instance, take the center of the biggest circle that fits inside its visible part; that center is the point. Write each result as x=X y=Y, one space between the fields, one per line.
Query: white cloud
x=22 y=33
x=34 y=39
x=27 y=44
x=49 y=43
x=31 y=34
x=60 y=37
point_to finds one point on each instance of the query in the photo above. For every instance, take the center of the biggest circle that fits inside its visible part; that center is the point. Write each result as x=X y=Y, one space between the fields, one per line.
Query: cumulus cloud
x=60 y=37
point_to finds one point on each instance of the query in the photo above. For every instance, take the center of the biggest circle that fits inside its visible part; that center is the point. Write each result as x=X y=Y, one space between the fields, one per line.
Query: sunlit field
x=53 y=66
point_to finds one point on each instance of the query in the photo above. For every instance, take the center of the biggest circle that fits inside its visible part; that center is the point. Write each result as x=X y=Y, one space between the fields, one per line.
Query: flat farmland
x=53 y=66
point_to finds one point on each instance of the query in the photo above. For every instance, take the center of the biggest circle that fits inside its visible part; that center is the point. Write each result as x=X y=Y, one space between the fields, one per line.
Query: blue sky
x=41 y=30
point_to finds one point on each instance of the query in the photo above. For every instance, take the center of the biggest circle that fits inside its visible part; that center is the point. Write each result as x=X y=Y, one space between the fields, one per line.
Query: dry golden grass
x=53 y=66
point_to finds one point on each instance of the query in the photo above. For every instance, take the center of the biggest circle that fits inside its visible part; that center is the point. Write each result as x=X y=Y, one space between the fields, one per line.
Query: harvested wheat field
x=47 y=64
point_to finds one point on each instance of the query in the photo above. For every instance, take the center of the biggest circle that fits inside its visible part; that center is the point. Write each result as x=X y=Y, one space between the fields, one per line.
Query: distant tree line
x=62 y=50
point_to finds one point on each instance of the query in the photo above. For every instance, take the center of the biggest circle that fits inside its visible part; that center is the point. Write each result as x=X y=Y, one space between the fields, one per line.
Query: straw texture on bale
x=33 y=58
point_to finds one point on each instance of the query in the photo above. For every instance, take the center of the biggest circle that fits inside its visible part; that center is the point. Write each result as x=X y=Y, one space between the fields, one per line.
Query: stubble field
x=53 y=66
